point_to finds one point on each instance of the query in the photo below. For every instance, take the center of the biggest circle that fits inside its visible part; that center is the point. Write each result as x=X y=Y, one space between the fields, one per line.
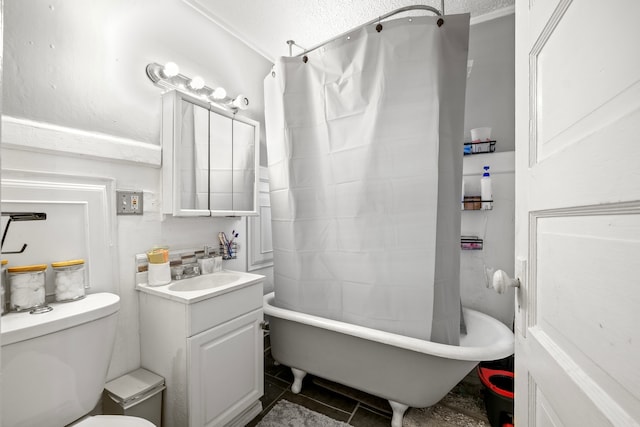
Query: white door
x=578 y=213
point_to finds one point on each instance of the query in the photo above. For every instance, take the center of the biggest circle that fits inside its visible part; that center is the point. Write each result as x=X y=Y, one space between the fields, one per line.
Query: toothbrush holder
x=229 y=252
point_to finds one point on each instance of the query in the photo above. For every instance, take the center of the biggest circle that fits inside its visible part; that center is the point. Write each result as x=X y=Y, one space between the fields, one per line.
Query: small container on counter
x=26 y=284
x=3 y=285
x=159 y=269
x=69 y=279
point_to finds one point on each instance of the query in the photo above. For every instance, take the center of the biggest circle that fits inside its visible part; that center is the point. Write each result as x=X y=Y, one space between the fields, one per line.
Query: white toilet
x=54 y=364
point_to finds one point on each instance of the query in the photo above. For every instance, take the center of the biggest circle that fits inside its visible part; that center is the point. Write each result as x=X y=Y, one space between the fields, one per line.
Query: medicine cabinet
x=209 y=159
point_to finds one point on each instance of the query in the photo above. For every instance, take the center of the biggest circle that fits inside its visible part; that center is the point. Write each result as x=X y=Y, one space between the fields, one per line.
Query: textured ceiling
x=266 y=25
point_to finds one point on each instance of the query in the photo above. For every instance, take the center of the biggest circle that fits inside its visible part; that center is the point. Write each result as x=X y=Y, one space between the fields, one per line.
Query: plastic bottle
x=485 y=189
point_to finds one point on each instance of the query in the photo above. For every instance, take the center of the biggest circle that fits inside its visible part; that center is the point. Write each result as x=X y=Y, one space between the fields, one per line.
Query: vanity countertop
x=205 y=286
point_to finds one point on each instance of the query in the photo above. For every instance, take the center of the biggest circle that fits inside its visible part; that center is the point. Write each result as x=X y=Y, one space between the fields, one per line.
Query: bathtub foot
x=298 y=375
x=398 y=413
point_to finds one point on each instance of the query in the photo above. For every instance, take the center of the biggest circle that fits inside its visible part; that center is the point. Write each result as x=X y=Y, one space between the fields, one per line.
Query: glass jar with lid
x=3 y=286
x=26 y=284
x=69 y=279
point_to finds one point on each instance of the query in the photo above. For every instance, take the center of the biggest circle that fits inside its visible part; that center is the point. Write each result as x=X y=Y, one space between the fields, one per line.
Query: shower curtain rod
x=373 y=21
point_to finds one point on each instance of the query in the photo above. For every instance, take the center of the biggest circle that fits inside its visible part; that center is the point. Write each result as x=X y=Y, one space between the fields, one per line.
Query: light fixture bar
x=168 y=77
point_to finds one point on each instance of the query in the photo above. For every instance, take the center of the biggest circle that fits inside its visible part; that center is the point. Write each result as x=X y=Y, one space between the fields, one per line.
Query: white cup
x=159 y=274
x=480 y=134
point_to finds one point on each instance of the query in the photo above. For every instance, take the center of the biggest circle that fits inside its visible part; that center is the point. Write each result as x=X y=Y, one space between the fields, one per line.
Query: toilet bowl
x=113 y=421
x=54 y=364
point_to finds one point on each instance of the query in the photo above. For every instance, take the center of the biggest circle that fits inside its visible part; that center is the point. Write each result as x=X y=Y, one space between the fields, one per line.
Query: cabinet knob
x=501 y=282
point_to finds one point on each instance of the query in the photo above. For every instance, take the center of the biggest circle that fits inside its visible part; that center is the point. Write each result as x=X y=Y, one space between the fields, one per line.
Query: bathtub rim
x=498 y=349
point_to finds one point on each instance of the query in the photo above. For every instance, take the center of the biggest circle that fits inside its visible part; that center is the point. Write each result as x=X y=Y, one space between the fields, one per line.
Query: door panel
x=571 y=43
x=578 y=213
x=225 y=370
x=579 y=304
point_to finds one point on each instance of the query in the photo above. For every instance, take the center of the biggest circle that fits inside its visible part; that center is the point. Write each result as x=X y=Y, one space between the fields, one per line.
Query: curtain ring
x=305 y=59
x=440 y=22
x=379 y=27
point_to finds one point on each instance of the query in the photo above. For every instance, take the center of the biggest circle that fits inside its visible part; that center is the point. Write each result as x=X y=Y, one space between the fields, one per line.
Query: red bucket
x=498 y=396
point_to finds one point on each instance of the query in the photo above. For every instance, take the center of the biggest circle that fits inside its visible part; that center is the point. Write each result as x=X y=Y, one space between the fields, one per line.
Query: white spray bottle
x=485 y=189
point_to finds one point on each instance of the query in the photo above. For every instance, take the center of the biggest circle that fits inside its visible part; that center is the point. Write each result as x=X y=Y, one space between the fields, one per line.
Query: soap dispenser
x=207 y=262
x=485 y=190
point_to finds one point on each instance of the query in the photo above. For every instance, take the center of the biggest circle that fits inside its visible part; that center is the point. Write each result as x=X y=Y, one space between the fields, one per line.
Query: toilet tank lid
x=22 y=326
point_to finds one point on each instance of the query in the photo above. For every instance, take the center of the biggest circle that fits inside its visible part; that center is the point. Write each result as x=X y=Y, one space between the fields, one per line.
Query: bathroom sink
x=206 y=281
x=199 y=288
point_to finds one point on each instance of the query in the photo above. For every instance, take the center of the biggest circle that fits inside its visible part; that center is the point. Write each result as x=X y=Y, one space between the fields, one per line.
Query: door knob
x=501 y=282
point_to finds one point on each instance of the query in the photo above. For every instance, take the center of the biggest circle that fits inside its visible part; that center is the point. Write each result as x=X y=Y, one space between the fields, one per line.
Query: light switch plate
x=129 y=203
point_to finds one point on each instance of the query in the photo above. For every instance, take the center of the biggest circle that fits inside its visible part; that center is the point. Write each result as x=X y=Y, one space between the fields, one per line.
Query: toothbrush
x=223 y=239
x=233 y=237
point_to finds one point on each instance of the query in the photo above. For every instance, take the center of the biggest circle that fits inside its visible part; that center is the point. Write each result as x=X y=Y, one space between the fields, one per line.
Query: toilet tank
x=54 y=365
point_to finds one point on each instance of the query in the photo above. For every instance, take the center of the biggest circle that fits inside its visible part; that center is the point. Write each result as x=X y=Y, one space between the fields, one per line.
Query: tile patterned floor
x=463 y=406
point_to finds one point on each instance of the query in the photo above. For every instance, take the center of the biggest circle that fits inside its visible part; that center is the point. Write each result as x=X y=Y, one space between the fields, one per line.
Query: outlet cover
x=129 y=202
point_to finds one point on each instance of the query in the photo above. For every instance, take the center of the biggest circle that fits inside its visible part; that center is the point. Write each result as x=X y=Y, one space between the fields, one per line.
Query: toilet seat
x=114 y=421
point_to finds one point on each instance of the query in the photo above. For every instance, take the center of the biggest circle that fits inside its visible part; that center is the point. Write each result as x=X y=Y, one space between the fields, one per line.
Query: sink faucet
x=189 y=270
x=209 y=251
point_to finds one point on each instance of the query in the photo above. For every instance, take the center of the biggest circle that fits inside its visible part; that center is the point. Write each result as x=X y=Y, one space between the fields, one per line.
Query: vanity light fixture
x=240 y=102
x=170 y=69
x=168 y=77
x=196 y=83
x=219 y=93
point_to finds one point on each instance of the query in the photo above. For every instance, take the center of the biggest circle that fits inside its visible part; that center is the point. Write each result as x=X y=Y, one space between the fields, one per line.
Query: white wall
x=74 y=81
x=490 y=87
x=490 y=102
x=496 y=227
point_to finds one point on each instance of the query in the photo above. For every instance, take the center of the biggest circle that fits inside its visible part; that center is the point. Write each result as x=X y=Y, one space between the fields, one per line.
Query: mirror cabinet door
x=221 y=161
x=244 y=166
x=192 y=158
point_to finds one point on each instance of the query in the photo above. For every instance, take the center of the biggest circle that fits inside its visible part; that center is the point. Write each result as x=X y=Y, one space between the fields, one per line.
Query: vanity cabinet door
x=225 y=370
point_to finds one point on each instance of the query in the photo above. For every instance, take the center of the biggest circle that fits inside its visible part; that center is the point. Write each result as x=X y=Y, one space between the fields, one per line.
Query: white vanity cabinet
x=210 y=350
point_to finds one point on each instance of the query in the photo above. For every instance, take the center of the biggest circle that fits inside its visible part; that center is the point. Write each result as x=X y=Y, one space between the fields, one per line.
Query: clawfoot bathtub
x=406 y=371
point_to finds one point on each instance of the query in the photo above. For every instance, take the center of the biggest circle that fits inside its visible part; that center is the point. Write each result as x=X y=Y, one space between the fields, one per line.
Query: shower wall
x=496 y=228
x=490 y=102
x=491 y=84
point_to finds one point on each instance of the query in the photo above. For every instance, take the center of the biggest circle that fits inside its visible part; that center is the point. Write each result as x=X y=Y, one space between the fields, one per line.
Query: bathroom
x=78 y=108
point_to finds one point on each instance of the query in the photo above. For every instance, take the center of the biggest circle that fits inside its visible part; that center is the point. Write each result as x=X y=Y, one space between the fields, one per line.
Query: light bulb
x=170 y=69
x=196 y=83
x=241 y=102
x=219 y=93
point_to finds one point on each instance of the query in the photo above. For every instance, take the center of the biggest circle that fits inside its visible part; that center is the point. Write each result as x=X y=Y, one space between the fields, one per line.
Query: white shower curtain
x=364 y=144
